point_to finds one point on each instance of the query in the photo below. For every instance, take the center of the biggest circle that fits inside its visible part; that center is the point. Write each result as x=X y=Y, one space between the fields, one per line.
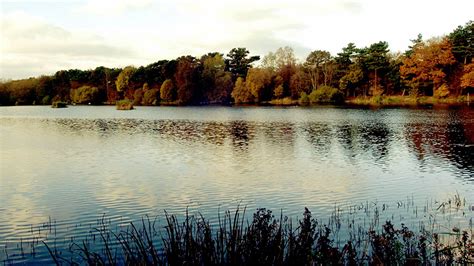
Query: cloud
x=86 y=34
x=114 y=7
x=257 y=25
x=31 y=46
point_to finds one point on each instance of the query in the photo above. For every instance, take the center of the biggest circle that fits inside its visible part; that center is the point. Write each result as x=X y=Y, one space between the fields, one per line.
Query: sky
x=42 y=37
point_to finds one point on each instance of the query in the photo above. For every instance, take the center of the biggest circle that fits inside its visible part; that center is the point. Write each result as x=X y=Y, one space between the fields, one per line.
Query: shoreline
x=360 y=101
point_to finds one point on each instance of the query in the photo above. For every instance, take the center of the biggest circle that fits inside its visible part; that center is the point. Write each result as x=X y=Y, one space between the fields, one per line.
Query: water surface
x=71 y=166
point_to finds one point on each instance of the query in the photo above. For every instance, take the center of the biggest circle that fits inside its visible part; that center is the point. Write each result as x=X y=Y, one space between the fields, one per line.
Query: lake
x=71 y=167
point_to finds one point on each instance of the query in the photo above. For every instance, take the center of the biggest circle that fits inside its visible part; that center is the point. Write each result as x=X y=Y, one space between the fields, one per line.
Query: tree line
x=440 y=67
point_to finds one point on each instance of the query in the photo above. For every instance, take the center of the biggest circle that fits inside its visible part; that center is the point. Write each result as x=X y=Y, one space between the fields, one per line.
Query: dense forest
x=440 y=67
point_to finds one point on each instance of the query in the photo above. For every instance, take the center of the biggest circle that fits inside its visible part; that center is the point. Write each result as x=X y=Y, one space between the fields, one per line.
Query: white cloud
x=117 y=33
x=114 y=7
x=31 y=46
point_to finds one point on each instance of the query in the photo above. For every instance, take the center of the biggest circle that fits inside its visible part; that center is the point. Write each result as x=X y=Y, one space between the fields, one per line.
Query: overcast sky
x=41 y=37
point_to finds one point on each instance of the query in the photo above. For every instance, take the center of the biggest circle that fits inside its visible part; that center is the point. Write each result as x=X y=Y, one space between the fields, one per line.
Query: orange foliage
x=426 y=63
x=467 y=80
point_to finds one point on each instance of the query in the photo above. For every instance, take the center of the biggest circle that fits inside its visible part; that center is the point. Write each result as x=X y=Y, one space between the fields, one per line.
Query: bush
x=85 y=95
x=167 y=91
x=46 y=100
x=151 y=97
x=442 y=91
x=283 y=101
x=59 y=104
x=138 y=97
x=377 y=99
x=304 y=99
x=124 y=105
x=326 y=94
x=278 y=92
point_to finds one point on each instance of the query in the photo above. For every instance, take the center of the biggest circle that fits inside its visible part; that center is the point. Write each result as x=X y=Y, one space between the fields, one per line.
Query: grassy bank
x=394 y=100
x=406 y=100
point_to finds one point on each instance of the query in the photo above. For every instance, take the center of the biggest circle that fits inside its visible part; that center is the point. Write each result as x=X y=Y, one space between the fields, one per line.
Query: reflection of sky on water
x=78 y=164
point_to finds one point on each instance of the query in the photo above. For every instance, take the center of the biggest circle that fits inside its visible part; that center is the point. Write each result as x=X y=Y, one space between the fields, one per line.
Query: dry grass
x=397 y=100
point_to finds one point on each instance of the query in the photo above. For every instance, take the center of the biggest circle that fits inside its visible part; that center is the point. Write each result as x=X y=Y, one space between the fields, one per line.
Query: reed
x=269 y=240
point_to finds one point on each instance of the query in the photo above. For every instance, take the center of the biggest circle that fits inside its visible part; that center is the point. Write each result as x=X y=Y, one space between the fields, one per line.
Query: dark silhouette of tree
x=238 y=62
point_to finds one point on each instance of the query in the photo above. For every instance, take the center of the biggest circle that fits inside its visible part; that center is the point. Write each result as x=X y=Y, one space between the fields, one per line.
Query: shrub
x=46 y=100
x=377 y=99
x=283 y=101
x=167 y=91
x=124 y=105
x=442 y=91
x=138 y=97
x=59 y=104
x=85 y=95
x=278 y=92
x=151 y=97
x=326 y=94
x=304 y=99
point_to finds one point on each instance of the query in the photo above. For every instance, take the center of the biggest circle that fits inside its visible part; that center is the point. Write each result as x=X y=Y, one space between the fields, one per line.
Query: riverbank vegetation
x=268 y=240
x=435 y=70
x=370 y=233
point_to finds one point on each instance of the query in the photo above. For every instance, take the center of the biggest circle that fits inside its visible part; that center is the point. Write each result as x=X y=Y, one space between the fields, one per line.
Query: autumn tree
x=300 y=82
x=285 y=56
x=187 y=80
x=150 y=96
x=238 y=62
x=425 y=67
x=278 y=90
x=138 y=95
x=123 y=80
x=467 y=79
x=111 y=74
x=257 y=82
x=240 y=93
x=281 y=64
x=85 y=95
x=315 y=63
x=215 y=80
x=44 y=90
x=20 y=92
x=167 y=91
x=286 y=63
x=269 y=61
x=61 y=85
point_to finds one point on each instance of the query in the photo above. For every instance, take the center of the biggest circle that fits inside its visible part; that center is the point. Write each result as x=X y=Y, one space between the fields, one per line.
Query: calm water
x=69 y=167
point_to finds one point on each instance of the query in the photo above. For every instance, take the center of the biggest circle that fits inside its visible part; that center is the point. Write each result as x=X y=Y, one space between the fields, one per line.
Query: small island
x=59 y=104
x=124 y=105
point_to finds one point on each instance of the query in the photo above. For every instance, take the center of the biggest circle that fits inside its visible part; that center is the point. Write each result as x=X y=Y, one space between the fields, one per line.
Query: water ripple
x=61 y=173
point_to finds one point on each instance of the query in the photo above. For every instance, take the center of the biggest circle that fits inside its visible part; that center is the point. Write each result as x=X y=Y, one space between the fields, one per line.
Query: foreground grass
x=266 y=240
